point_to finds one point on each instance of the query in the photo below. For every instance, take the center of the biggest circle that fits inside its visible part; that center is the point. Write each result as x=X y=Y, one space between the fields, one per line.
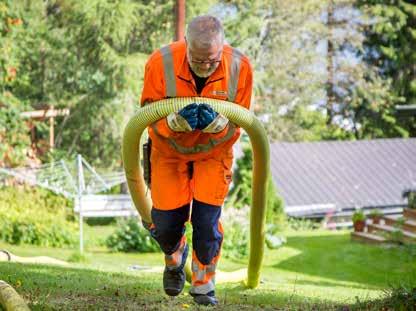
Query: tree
x=290 y=44
x=14 y=141
x=87 y=56
x=390 y=46
x=282 y=39
x=356 y=98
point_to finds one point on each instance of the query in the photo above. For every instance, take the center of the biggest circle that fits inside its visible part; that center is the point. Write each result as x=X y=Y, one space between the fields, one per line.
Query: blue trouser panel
x=206 y=237
x=169 y=227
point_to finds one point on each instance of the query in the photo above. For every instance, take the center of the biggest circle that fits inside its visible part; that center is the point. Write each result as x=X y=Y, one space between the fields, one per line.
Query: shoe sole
x=172 y=292
x=206 y=301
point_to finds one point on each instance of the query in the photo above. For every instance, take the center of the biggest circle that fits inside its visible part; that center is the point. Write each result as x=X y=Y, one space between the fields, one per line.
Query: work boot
x=174 y=277
x=205 y=299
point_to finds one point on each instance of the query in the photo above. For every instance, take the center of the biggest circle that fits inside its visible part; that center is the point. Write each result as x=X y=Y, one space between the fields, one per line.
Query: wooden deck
x=398 y=228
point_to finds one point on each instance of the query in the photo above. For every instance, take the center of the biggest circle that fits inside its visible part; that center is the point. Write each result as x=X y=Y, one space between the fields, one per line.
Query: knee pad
x=207 y=236
x=169 y=227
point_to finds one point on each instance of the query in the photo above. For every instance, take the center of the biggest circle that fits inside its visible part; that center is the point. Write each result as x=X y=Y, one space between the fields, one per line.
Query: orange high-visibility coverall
x=167 y=74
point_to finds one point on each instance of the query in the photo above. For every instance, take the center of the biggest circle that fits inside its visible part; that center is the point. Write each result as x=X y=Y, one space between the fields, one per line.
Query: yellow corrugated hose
x=10 y=299
x=261 y=164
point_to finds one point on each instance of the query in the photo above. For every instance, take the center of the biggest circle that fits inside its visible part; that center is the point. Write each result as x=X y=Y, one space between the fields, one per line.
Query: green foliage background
x=89 y=56
x=36 y=216
x=240 y=193
x=390 y=44
x=130 y=236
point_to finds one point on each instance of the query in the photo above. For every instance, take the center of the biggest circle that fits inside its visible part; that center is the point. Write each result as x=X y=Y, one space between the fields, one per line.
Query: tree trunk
x=330 y=95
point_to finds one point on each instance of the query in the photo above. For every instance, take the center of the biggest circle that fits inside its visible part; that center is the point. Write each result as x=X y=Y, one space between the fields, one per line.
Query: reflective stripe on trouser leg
x=168 y=227
x=174 y=260
x=203 y=276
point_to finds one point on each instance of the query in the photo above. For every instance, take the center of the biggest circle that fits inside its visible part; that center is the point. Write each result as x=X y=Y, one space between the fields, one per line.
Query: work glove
x=185 y=120
x=210 y=121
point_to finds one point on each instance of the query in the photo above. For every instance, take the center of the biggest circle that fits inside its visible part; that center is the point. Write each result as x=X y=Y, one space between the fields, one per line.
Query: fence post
x=81 y=187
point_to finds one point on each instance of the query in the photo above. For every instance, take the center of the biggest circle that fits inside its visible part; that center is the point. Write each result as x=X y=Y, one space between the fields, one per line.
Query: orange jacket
x=167 y=74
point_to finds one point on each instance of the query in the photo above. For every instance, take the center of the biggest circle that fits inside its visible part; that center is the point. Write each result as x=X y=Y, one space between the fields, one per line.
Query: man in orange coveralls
x=191 y=154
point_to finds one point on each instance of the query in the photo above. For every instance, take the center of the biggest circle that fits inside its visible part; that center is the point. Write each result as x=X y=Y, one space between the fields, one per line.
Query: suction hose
x=10 y=299
x=261 y=164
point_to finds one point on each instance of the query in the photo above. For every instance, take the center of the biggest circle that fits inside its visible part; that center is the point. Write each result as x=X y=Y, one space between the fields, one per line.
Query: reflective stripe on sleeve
x=168 y=71
x=234 y=74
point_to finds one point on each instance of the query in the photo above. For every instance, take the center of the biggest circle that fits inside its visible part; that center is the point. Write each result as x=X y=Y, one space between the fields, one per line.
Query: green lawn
x=317 y=270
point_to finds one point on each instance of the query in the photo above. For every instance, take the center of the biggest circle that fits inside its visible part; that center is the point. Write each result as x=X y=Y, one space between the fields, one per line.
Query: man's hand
x=210 y=121
x=185 y=120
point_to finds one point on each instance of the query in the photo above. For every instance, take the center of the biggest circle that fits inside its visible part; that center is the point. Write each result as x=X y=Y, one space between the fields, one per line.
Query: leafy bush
x=79 y=257
x=303 y=224
x=100 y=221
x=35 y=216
x=130 y=236
x=242 y=177
x=236 y=241
x=358 y=216
x=401 y=297
x=411 y=198
x=14 y=140
x=375 y=213
x=275 y=213
x=240 y=194
x=396 y=236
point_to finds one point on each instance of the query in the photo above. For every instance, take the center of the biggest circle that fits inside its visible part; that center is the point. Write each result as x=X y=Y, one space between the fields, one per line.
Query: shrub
x=35 y=216
x=275 y=213
x=242 y=177
x=402 y=297
x=236 y=241
x=375 y=213
x=240 y=193
x=358 y=216
x=411 y=198
x=130 y=236
x=14 y=140
x=303 y=224
x=100 y=221
x=396 y=236
x=399 y=223
x=79 y=257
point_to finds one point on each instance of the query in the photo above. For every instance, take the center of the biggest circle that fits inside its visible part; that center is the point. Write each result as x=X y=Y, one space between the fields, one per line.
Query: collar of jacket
x=185 y=70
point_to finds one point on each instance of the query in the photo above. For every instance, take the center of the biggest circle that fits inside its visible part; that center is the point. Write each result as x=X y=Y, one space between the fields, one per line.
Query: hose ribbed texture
x=10 y=299
x=261 y=165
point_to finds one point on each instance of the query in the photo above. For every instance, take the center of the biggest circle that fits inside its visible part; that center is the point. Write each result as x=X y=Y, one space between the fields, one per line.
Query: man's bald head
x=205 y=31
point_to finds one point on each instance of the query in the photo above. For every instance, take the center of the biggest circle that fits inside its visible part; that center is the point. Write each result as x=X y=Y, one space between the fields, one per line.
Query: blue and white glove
x=210 y=121
x=185 y=120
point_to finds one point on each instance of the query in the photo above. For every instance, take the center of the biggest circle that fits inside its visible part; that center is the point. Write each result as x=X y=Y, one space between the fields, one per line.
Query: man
x=191 y=154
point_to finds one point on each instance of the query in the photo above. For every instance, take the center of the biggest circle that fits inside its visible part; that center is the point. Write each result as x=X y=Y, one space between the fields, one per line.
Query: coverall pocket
x=225 y=179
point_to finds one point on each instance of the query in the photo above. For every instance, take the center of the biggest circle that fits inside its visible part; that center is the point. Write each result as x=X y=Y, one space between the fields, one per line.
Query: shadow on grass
x=337 y=258
x=271 y=299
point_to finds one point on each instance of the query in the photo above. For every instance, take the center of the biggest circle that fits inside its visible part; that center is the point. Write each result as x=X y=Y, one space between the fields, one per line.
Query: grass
x=315 y=270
